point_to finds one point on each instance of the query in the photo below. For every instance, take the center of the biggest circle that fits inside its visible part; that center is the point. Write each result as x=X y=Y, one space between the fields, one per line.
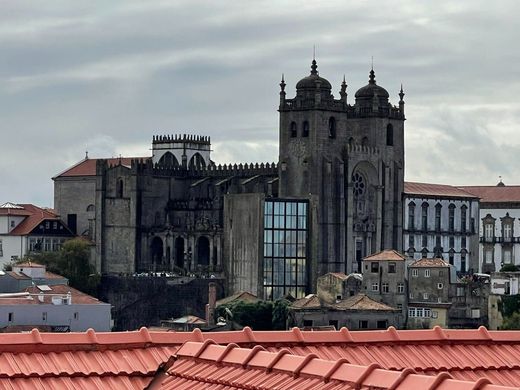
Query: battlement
x=356 y=148
x=225 y=170
x=191 y=138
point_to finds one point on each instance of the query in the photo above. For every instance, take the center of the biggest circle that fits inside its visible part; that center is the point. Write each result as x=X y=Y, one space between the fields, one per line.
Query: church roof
x=439 y=190
x=372 y=89
x=314 y=81
x=87 y=166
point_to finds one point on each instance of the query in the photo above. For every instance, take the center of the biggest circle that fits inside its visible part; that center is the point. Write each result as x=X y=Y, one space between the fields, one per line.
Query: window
x=90 y=208
x=120 y=188
x=12 y=224
x=305 y=132
x=1 y=249
x=411 y=241
x=460 y=291
x=390 y=135
x=508 y=229
x=307 y=323
x=384 y=288
x=435 y=314
x=463 y=218
x=382 y=324
x=463 y=261
x=375 y=286
x=438 y=209
x=332 y=127
x=411 y=216
x=358 y=184
x=424 y=240
x=451 y=241
x=488 y=255
x=10 y=317
x=333 y=323
x=415 y=272
x=451 y=256
x=391 y=268
x=426 y=273
x=363 y=324
x=411 y=312
x=463 y=242
x=427 y=313
x=410 y=295
x=76 y=315
x=489 y=231
x=44 y=316
x=439 y=286
x=419 y=312
x=425 y=296
x=400 y=288
x=293 y=130
x=374 y=267
x=506 y=256
x=424 y=216
x=451 y=217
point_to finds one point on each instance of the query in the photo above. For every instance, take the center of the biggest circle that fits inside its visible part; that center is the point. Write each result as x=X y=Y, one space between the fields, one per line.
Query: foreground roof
x=130 y=360
x=205 y=365
x=494 y=194
x=439 y=190
x=387 y=254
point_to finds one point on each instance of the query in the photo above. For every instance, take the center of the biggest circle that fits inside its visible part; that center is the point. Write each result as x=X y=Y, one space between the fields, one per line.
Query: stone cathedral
x=334 y=196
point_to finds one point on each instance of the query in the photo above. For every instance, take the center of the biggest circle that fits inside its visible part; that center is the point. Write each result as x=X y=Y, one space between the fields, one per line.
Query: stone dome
x=313 y=81
x=371 y=89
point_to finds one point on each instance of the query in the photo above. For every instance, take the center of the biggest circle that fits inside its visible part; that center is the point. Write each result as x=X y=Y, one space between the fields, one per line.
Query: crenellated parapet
x=192 y=138
x=362 y=149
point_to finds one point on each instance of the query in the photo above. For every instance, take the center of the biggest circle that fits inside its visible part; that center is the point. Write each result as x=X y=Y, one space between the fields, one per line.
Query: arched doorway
x=203 y=251
x=156 y=250
x=179 y=252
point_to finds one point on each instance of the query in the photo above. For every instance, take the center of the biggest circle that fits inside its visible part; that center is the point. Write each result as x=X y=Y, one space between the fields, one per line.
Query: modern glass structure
x=285 y=248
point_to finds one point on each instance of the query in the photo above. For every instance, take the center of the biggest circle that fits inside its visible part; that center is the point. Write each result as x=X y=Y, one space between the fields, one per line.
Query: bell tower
x=348 y=160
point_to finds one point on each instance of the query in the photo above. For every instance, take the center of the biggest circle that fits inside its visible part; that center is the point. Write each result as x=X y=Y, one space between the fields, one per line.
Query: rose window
x=358 y=183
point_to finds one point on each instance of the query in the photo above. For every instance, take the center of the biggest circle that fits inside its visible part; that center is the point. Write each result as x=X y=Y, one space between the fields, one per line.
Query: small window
x=12 y=224
x=339 y=297
x=390 y=135
x=415 y=272
x=332 y=127
x=382 y=324
x=427 y=313
x=400 y=288
x=305 y=132
x=363 y=324
x=460 y=291
x=307 y=323
x=76 y=315
x=120 y=188
x=374 y=267
x=435 y=314
x=440 y=286
x=411 y=295
x=90 y=208
x=375 y=286
x=391 y=268
x=411 y=312
x=294 y=130
x=44 y=316
x=384 y=288
x=425 y=296
x=420 y=312
x=333 y=323
x=10 y=317
x=426 y=273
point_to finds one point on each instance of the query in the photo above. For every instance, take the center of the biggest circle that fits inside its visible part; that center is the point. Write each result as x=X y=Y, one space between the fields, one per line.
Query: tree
x=280 y=313
x=512 y=322
x=509 y=268
x=257 y=316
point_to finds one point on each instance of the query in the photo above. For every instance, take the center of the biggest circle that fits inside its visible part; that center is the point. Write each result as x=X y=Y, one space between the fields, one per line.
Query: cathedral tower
x=348 y=160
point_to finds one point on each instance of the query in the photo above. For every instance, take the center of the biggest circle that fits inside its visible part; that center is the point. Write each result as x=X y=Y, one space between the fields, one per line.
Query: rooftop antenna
x=372 y=62
x=313 y=52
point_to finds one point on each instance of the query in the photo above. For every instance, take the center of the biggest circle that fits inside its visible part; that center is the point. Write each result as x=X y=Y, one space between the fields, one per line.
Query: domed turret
x=365 y=95
x=313 y=81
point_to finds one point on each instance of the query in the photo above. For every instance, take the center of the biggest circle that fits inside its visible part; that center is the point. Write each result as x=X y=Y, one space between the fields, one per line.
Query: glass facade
x=285 y=248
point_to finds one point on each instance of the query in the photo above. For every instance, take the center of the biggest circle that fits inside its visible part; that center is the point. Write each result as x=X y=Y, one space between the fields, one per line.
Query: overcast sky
x=105 y=76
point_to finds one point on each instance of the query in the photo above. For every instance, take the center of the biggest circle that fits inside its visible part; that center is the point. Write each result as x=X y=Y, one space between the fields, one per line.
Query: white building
x=499 y=225
x=440 y=221
x=25 y=228
x=59 y=307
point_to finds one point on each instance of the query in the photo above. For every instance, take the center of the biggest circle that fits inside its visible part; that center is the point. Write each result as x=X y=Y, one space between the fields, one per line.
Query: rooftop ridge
x=287 y=366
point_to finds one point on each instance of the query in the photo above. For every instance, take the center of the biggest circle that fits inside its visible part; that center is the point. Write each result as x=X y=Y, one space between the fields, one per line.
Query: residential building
x=441 y=221
x=429 y=282
x=26 y=228
x=384 y=278
x=499 y=225
x=435 y=359
x=335 y=286
x=28 y=274
x=61 y=307
x=354 y=312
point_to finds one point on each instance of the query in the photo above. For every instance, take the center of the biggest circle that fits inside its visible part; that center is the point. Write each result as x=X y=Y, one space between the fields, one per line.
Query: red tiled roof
x=437 y=262
x=87 y=167
x=82 y=359
x=77 y=296
x=36 y=215
x=494 y=194
x=29 y=264
x=50 y=275
x=361 y=302
x=429 y=189
x=387 y=254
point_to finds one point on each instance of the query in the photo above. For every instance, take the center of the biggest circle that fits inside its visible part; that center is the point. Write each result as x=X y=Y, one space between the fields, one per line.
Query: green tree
x=512 y=322
x=280 y=313
x=257 y=316
x=509 y=268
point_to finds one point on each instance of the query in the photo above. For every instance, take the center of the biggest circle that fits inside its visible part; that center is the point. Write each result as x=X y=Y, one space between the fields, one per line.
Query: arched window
x=168 y=159
x=364 y=141
x=411 y=216
x=90 y=208
x=197 y=162
x=294 y=130
x=390 y=135
x=305 y=132
x=438 y=211
x=332 y=127
x=424 y=216
x=203 y=251
x=358 y=184
x=351 y=141
x=451 y=217
x=120 y=188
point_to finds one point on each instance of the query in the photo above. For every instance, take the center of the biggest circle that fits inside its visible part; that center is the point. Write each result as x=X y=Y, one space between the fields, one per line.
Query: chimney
x=212 y=302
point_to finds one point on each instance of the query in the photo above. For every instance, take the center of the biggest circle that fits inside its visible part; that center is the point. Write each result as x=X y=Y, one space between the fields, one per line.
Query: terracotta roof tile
x=35 y=216
x=437 y=262
x=441 y=190
x=361 y=302
x=241 y=296
x=387 y=254
x=206 y=365
x=311 y=301
x=87 y=167
x=78 y=297
x=494 y=194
